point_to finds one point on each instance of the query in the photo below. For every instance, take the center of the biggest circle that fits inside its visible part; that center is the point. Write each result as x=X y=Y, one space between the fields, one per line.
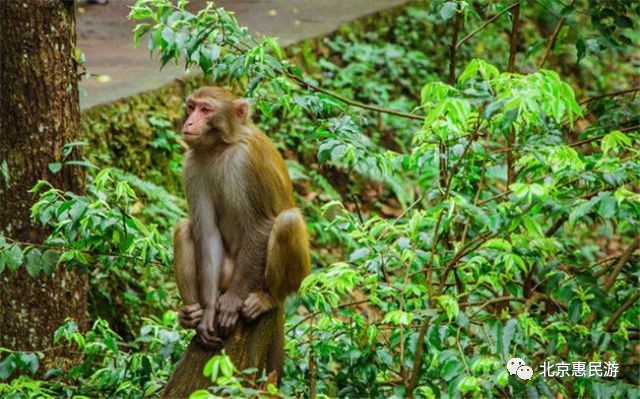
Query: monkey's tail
x=275 y=355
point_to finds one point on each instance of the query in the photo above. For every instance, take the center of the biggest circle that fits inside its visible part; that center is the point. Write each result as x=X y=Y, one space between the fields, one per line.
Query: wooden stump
x=247 y=347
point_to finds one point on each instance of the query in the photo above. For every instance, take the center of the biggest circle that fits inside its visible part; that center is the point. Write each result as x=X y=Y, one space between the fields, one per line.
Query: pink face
x=199 y=111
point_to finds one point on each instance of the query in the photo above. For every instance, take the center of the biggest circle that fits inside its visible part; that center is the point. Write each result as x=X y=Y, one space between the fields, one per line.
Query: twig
x=417 y=358
x=553 y=38
x=614 y=274
x=472 y=246
x=513 y=42
x=464 y=359
x=312 y=366
x=453 y=49
x=613 y=94
x=475 y=201
x=355 y=201
x=61 y=248
x=350 y=102
x=484 y=25
x=616 y=315
x=511 y=137
x=317 y=312
x=445 y=195
x=486 y=303
x=623 y=260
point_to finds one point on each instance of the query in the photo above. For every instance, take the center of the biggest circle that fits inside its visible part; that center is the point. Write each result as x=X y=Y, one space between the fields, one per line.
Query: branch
x=417 y=358
x=453 y=49
x=553 y=38
x=317 y=312
x=350 y=102
x=623 y=260
x=616 y=315
x=513 y=38
x=484 y=25
x=445 y=195
x=486 y=303
x=84 y=251
x=613 y=94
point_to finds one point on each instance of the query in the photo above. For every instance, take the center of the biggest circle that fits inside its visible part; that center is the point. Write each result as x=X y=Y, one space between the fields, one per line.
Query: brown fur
x=245 y=238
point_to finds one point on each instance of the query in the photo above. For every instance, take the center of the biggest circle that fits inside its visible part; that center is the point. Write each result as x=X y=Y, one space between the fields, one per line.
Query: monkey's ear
x=242 y=109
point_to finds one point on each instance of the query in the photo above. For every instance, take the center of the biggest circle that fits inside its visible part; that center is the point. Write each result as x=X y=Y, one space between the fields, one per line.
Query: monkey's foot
x=190 y=315
x=256 y=304
x=210 y=343
x=229 y=305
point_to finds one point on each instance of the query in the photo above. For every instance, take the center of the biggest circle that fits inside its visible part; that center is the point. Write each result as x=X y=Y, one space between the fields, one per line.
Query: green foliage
x=110 y=368
x=454 y=225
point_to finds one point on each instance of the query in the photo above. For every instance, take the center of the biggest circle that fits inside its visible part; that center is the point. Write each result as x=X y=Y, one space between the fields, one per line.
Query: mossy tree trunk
x=39 y=114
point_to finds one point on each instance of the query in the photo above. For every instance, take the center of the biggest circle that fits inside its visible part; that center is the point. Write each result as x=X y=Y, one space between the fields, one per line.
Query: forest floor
x=118 y=70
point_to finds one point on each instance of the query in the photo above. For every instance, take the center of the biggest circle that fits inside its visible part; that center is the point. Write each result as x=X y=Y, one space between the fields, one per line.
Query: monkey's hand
x=190 y=315
x=207 y=329
x=229 y=306
x=256 y=304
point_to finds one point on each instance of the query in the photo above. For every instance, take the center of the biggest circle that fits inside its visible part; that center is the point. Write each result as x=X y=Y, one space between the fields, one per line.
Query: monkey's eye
x=207 y=110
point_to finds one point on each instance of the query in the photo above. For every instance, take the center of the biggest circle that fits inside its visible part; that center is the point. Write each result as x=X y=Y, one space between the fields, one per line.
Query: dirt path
x=104 y=34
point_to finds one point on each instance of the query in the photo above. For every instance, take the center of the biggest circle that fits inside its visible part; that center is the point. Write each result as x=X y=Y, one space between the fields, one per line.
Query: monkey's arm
x=211 y=254
x=248 y=275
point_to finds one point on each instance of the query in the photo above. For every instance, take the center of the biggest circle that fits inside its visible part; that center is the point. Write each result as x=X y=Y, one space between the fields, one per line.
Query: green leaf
x=451 y=369
x=581 y=49
x=226 y=366
x=450 y=306
x=397 y=317
x=212 y=368
x=33 y=262
x=55 y=167
x=29 y=360
x=502 y=379
x=469 y=383
x=139 y=31
x=14 y=258
x=499 y=244
x=607 y=207
x=615 y=140
x=141 y=12
x=49 y=261
x=7 y=367
x=200 y=394
x=448 y=10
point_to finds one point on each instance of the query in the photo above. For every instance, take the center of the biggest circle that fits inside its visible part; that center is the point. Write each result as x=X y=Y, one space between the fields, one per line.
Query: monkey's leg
x=288 y=262
x=185 y=270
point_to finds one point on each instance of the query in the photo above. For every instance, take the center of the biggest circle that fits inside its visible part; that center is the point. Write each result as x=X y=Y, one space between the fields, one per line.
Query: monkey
x=245 y=246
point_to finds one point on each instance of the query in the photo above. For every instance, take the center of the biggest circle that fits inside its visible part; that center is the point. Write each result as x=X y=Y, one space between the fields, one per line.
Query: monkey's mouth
x=190 y=134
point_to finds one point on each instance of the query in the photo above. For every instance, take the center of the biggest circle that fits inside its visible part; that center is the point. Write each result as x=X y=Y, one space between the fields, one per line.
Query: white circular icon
x=514 y=364
x=525 y=372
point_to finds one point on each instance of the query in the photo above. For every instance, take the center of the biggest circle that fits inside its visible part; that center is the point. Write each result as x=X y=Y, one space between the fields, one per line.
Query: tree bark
x=247 y=347
x=39 y=114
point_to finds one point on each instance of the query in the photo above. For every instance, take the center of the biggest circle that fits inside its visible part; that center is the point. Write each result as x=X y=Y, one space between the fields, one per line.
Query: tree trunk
x=39 y=114
x=248 y=347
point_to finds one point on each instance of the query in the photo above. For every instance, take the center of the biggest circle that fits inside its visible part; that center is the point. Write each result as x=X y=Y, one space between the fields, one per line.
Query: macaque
x=245 y=246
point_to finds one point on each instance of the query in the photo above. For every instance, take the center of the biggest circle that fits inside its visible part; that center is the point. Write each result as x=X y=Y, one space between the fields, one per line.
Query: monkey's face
x=210 y=120
x=202 y=121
